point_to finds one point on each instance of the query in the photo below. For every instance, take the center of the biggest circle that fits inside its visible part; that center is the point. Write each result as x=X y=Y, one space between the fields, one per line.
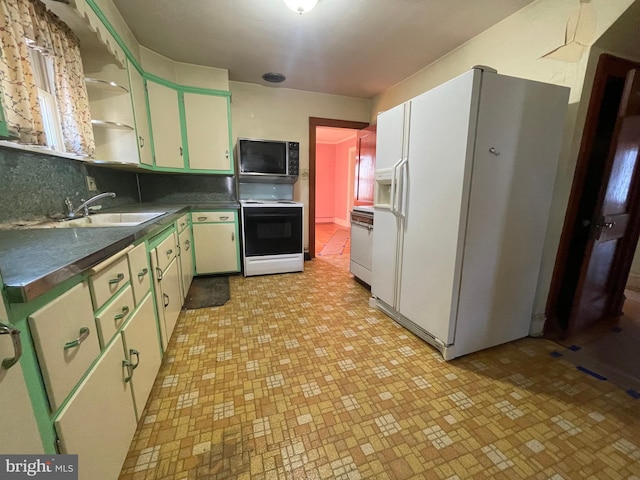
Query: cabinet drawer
x=183 y=222
x=166 y=251
x=139 y=270
x=114 y=316
x=107 y=282
x=208 y=217
x=66 y=341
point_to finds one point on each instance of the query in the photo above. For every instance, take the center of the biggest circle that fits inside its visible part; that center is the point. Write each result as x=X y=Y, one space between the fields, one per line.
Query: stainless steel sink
x=109 y=220
x=96 y=220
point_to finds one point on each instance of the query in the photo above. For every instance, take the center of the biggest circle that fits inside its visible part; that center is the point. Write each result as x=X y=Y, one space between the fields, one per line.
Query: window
x=43 y=74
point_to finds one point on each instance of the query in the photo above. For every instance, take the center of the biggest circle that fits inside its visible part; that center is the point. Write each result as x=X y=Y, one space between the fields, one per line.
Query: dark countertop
x=34 y=260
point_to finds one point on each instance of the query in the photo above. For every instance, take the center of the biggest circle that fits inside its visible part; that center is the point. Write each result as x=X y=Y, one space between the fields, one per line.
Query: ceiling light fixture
x=273 y=77
x=301 y=6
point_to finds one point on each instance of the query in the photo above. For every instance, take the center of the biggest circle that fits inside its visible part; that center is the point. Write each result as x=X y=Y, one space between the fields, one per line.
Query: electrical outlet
x=91 y=184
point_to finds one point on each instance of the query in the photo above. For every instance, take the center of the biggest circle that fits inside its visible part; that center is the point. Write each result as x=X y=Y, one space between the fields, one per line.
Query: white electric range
x=272 y=232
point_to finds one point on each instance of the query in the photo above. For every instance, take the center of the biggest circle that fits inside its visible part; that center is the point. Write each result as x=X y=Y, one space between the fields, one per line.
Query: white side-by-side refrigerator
x=464 y=180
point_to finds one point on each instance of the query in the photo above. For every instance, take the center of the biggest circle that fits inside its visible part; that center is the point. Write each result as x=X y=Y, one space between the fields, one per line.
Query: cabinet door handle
x=233 y=236
x=169 y=252
x=166 y=300
x=131 y=366
x=202 y=219
x=5 y=329
x=84 y=333
x=141 y=141
x=143 y=272
x=120 y=316
x=187 y=245
x=118 y=279
x=226 y=154
x=224 y=218
x=158 y=273
x=180 y=151
x=179 y=250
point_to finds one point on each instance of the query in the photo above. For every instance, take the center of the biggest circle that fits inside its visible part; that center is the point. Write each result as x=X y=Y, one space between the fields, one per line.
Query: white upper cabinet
x=207 y=126
x=139 y=101
x=165 y=125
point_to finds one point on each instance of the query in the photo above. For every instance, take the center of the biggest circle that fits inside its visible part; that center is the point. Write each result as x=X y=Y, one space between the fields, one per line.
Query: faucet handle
x=68 y=205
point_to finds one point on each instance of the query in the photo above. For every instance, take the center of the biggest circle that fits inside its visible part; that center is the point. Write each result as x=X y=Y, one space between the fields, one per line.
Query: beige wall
x=283 y=114
x=515 y=47
x=184 y=73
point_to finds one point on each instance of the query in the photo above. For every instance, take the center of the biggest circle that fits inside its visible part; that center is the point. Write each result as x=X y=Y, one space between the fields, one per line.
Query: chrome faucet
x=72 y=212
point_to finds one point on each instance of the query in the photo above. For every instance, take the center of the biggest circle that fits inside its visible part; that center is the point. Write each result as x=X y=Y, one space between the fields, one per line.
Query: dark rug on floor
x=207 y=292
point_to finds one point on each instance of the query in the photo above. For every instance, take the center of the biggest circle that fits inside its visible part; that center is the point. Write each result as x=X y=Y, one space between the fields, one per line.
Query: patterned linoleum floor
x=296 y=378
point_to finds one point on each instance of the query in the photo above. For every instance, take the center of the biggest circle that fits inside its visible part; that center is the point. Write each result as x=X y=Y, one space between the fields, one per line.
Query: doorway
x=587 y=287
x=314 y=123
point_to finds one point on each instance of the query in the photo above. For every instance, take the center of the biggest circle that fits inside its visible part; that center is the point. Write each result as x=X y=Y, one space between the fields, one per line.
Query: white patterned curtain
x=28 y=24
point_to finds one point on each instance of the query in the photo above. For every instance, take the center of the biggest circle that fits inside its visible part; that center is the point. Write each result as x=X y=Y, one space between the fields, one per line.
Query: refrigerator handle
x=394 y=192
x=402 y=190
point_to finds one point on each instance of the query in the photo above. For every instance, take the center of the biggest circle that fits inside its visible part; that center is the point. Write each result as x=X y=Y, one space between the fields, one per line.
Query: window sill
x=41 y=150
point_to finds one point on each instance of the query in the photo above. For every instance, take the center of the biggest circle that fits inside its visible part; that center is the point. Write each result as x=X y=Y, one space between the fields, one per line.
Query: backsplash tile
x=34 y=185
x=186 y=188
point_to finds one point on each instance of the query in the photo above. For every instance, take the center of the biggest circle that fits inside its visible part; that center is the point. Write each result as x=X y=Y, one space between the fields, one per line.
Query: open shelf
x=113 y=87
x=114 y=125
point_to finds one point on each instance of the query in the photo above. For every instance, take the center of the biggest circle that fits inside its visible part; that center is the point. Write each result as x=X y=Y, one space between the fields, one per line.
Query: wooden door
x=365 y=166
x=598 y=292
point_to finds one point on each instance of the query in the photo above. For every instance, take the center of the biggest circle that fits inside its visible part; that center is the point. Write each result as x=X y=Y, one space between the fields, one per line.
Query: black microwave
x=268 y=160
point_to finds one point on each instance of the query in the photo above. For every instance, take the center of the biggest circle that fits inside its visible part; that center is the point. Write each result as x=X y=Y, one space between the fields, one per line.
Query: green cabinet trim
x=180 y=89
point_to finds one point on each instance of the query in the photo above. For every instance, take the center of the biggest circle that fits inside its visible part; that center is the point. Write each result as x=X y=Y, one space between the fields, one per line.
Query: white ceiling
x=356 y=48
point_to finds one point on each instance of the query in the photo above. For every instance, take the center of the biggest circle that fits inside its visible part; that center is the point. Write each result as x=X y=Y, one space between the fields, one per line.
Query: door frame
x=313 y=123
x=608 y=66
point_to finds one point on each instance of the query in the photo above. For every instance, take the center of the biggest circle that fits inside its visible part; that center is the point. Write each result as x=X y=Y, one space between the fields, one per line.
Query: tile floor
x=296 y=378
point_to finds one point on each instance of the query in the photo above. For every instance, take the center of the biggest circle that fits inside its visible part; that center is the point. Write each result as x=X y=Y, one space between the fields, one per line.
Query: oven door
x=272 y=230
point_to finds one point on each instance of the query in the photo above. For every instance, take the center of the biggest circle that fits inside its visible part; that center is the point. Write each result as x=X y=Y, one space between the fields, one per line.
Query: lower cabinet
x=142 y=352
x=18 y=429
x=167 y=282
x=99 y=421
x=65 y=340
x=215 y=240
x=186 y=260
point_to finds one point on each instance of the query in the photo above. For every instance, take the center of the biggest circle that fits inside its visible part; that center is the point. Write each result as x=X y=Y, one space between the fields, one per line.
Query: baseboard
x=342 y=223
x=633 y=281
x=536 y=328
